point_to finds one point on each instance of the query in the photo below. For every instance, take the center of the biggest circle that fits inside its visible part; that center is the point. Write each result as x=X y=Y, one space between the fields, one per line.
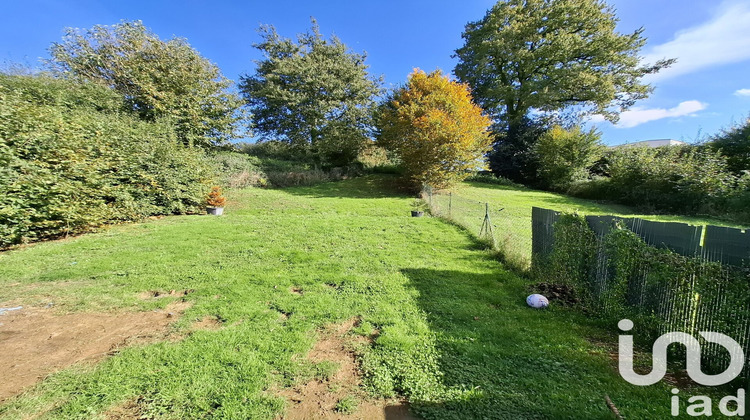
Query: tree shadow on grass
x=511 y=361
x=370 y=186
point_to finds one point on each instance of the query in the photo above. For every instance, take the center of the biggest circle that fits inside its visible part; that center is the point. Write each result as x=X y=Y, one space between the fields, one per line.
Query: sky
x=706 y=91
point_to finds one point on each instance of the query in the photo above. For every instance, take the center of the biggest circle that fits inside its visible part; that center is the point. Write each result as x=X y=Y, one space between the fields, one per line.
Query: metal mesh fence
x=665 y=276
x=505 y=231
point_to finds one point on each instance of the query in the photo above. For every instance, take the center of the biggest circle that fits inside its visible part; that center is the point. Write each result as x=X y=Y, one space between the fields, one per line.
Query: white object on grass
x=537 y=301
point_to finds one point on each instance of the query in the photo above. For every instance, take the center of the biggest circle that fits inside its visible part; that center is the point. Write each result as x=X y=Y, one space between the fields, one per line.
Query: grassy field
x=512 y=224
x=454 y=334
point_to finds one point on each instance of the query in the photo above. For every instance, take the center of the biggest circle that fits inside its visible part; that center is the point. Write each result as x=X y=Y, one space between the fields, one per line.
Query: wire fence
x=508 y=232
x=703 y=284
x=665 y=276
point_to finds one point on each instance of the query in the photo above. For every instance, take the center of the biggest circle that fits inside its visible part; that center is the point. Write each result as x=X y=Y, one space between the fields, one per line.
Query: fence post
x=450 y=203
x=487 y=225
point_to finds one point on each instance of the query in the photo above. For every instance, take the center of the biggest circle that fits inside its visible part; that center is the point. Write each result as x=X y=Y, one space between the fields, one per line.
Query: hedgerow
x=74 y=159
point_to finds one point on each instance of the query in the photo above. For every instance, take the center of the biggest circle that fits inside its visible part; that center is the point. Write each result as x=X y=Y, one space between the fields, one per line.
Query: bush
x=734 y=144
x=565 y=156
x=238 y=170
x=491 y=179
x=685 y=179
x=73 y=160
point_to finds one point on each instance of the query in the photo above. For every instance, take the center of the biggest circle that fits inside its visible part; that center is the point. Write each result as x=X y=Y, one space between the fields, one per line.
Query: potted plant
x=418 y=207
x=215 y=202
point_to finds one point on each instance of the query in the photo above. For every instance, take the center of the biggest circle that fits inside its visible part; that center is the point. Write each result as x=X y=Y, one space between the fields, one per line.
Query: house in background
x=653 y=143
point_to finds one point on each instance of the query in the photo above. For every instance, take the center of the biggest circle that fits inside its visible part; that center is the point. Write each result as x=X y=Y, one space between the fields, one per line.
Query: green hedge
x=620 y=276
x=674 y=179
x=73 y=159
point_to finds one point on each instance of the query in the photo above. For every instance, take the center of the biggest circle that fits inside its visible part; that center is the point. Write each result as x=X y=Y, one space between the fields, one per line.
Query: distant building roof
x=653 y=143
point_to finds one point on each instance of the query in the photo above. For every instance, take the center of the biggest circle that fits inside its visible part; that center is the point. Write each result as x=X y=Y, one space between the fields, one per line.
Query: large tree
x=159 y=80
x=548 y=55
x=314 y=93
x=433 y=125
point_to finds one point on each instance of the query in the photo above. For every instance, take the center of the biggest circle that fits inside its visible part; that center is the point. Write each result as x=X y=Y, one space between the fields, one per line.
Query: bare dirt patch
x=35 y=342
x=153 y=294
x=319 y=399
x=130 y=410
x=210 y=323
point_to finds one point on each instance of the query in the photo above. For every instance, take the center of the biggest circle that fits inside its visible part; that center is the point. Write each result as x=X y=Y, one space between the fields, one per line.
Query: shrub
x=238 y=170
x=686 y=179
x=373 y=157
x=215 y=197
x=73 y=160
x=565 y=156
x=734 y=144
x=492 y=179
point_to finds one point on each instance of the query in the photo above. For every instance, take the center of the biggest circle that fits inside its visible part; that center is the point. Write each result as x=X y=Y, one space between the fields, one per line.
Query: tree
x=314 y=94
x=548 y=55
x=157 y=79
x=435 y=128
x=565 y=156
x=512 y=155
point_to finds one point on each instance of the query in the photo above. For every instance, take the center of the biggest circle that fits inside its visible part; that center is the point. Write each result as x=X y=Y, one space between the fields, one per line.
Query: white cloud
x=742 y=92
x=722 y=40
x=638 y=116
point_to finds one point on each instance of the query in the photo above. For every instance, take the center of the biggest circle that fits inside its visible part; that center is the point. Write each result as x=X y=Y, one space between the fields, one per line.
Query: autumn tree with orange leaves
x=433 y=125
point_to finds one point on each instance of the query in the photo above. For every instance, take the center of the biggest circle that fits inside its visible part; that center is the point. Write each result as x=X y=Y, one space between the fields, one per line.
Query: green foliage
x=512 y=155
x=671 y=178
x=314 y=94
x=572 y=256
x=620 y=276
x=565 y=156
x=552 y=54
x=238 y=170
x=73 y=159
x=157 y=79
x=372 y=156
x=734 y=143
x=347 y=405
x=491 y=179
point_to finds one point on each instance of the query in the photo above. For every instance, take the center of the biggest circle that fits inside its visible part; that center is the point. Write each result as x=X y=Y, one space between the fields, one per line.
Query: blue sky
x=707 y=89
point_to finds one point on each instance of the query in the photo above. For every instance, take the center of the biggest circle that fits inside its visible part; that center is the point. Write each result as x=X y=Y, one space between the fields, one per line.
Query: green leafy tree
x=435 y=128
x=734 y=143
x=314 y=94
x=512 y=155
x=548 y=55
x=565 y=156
x=157 y=79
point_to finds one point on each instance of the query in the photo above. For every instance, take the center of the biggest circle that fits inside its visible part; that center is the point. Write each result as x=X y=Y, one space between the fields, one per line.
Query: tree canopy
x=548 y=55
x=314 y=93
x=158 y=79
x=435 y=128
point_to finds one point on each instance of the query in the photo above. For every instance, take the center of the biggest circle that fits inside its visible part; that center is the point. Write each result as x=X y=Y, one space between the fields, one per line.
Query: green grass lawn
x=512 y=224
x=455 y=336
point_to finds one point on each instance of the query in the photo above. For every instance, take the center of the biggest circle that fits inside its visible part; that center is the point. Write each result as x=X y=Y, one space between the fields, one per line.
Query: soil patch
x=35 y=342
x=208 y=323
x=561 y=294
x=321 y=399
